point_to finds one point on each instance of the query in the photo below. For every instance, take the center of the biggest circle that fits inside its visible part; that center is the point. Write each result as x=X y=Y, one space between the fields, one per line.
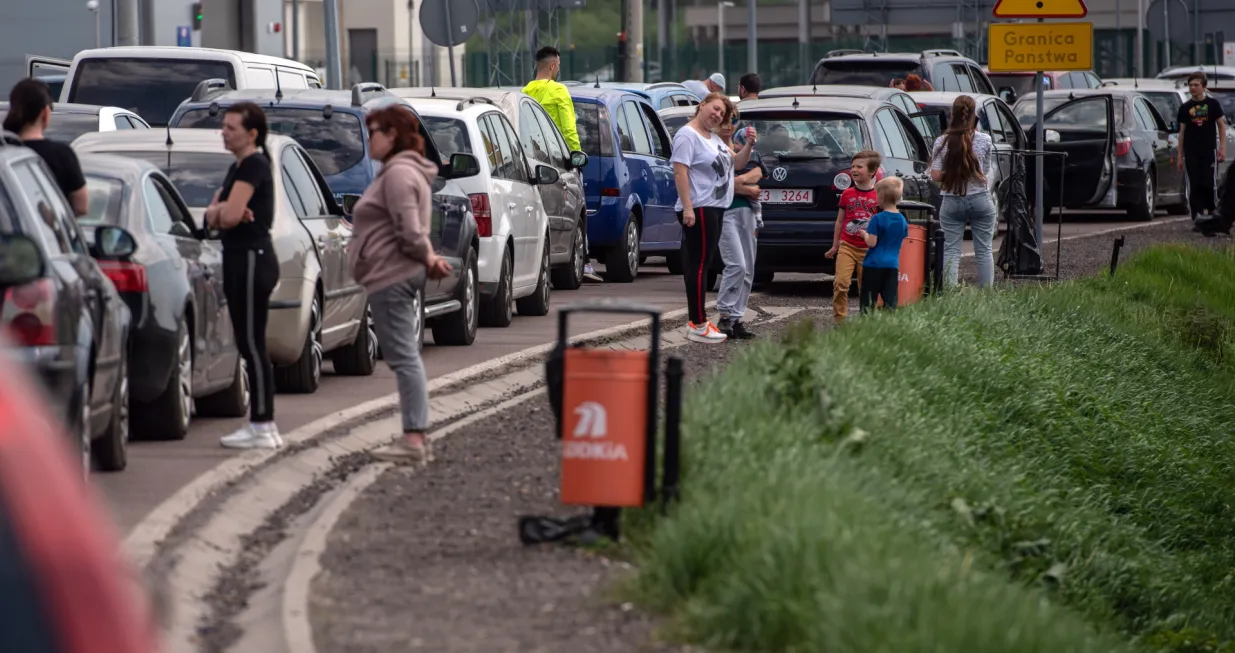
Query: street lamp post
x=720 y=35
x=93 y=6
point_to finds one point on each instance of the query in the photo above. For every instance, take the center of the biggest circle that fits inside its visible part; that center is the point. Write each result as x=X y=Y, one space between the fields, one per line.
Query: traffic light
x=197 y=16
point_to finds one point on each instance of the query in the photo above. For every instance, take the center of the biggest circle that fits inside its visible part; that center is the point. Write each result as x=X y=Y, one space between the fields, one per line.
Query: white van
x=152 y=80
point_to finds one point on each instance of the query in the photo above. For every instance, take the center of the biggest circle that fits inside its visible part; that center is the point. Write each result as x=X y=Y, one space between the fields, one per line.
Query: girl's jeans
x=978 y=211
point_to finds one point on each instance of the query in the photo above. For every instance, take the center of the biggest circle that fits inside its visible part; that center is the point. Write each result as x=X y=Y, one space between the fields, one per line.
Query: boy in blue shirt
x=883 y=235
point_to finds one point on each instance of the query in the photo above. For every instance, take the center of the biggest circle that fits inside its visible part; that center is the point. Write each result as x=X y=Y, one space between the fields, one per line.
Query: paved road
x=157 y=469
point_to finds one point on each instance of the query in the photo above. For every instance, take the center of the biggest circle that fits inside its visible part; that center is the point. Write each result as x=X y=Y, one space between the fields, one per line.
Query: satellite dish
x=449 y=22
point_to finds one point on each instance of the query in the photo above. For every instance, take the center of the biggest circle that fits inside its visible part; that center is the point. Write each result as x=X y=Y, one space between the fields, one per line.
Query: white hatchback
x=513 y=266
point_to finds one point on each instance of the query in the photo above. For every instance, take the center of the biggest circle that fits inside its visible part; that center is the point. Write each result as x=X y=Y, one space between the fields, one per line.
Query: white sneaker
x=589 y=273
x=271 y=429
x=252 y=436
x=706 y=333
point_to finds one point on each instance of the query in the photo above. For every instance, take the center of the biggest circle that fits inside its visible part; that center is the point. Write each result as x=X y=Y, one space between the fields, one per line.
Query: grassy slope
x=921 y=482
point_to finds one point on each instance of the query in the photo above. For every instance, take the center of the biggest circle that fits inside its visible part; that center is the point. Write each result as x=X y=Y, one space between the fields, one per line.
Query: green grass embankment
x=1042 y=470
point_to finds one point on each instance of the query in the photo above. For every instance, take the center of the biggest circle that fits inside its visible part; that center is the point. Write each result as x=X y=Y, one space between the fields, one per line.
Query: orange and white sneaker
x=706 y=333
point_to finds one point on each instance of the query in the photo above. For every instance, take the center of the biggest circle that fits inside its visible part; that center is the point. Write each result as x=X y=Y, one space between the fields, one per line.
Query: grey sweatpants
x=396 y=311
x=737 y=250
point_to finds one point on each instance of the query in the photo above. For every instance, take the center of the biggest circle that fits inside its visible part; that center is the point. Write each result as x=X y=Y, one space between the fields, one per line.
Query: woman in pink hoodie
x=391 y=257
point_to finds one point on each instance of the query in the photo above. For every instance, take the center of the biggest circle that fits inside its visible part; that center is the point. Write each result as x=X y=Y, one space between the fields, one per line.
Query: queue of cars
x=515 y=211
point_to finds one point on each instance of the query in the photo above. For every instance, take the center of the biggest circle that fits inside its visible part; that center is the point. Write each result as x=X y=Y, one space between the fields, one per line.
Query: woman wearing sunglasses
x=391 y=256
x=737 y=238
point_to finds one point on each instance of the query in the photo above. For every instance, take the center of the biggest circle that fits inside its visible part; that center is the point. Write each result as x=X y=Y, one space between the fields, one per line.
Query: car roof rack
x=209 y=88
x=363 y=89
x=842 y=52
x=942 y=52
x=471 y=100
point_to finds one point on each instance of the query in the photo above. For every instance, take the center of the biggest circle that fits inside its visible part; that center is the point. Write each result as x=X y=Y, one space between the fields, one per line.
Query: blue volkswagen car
x=330 y=125
x=628 y=180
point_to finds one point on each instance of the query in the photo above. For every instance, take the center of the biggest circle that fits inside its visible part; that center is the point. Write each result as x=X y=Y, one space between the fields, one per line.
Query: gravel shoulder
x=430 y=561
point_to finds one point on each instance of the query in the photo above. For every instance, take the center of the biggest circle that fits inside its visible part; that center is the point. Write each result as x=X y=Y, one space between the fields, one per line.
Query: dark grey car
x=181 y=324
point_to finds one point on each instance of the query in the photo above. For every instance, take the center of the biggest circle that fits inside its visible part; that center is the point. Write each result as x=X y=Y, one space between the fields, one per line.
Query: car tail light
x=842 y=181
x=29 y=312
x=610 y=192
x=921 y=105
x=127 y=277
x=484 y=215
x=1123 y=145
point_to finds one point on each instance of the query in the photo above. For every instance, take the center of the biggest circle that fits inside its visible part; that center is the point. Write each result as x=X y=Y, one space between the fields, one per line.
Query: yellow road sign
x=1041 y=9
x=1029 y=47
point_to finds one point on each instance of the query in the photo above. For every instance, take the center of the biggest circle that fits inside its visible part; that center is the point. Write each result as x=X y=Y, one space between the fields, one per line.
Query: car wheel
x=537 y=303
x=84 y=436
x=305 y=374
x=360 y=357
x=113 y=453
x=622 y=262
x=570 y=278
x=499 y=311
x=459 y=328
x=1146 y=204
x=232 y=402
x=169 y=415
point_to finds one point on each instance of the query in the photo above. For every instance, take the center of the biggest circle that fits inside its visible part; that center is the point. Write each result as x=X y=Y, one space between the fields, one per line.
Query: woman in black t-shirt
x=243 y=210
x=29 y=115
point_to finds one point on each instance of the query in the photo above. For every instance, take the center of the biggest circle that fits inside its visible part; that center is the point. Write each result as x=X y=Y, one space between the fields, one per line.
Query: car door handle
x=511 y=205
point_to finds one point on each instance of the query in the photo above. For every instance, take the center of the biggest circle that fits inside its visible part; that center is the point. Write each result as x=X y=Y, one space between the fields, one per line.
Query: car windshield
x=197 y=175
x=151 y=88
x=864 y=72
x=593 y=140
x=1166 y=102
x=1225 y=97
x=821 y=136
x=449 y=135
x=674 y=123
x=335 y=144
x=66 y=127
x=1084 y=114
x=1020 y=84
x=106 y=194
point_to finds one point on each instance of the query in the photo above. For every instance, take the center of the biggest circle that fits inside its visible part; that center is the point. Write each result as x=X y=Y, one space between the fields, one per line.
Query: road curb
x=142 y=541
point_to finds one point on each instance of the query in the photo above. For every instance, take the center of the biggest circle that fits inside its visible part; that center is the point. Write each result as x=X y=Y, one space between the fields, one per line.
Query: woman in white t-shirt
x=703 y=173
x=961 y=163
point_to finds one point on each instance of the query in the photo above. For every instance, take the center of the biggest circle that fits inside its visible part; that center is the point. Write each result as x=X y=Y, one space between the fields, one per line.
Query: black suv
x=65 y=320
x=946 y=70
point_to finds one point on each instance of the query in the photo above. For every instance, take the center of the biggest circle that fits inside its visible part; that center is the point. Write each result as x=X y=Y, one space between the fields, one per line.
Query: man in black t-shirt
x=1202 y=144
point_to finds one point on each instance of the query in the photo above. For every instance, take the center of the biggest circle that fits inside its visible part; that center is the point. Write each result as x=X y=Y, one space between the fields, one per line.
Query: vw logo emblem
x=779 y=174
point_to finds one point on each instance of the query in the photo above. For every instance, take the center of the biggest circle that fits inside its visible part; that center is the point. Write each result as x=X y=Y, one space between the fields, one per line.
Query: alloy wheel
x=543 y=282
x=372 y=348
x=122 y=399
x=315 y=331
x=245 y=391
x=469 y=297
x=418 y=324
x=580 y=260
x=86 y=441
x=632 y=247
x=185 y=381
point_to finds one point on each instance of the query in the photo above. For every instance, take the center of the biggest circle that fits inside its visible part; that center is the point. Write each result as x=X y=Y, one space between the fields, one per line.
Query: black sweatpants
x=699 y=245
x=249 y=276
x=879 y=283
x=1202 y=180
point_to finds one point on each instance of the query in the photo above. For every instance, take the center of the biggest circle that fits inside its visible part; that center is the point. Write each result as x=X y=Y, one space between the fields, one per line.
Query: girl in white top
x=703 y=173
x=961 y=163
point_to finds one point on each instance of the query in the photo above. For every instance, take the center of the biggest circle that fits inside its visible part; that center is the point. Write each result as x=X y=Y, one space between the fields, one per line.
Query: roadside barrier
x=605 y=405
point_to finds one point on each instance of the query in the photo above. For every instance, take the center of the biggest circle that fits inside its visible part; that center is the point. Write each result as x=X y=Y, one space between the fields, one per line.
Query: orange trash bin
x=912 y=266
x=604 y=427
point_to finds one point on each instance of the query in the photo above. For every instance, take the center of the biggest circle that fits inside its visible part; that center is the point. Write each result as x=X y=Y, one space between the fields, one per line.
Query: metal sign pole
x=450 y=47
x=1039 y=164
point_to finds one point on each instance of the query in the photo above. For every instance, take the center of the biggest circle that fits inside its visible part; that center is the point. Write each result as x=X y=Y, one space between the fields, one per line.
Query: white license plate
x=787 y=196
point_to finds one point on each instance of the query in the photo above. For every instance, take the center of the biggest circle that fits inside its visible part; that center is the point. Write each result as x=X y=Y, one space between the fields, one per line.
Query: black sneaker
x=725 y=326
x=741 y=332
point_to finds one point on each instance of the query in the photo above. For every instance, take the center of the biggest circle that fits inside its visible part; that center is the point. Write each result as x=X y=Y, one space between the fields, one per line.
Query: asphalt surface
x=157 y=469
x=431 y=560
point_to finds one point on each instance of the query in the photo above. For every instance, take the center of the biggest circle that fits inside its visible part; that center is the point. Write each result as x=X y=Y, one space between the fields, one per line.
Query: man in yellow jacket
x=554 y=97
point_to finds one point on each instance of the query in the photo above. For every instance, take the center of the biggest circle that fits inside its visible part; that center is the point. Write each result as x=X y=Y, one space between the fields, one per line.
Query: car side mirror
x=1052 y=136
x=578 y=160
x=113 y=243
x=463 y=165
x=349 y=203
x=1007 y=94
x=546 y=175
x=181 y=230
x=21 y=261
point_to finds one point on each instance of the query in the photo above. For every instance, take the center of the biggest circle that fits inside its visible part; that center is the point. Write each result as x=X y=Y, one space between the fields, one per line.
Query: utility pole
x=803 y=39
x=1140 y=36
x=634 y=41
x=127 y=26
x=752 y=37
x=1166 y=34
x=662 y=27
x=295 y=30
x=334 y=60
x=671 y=24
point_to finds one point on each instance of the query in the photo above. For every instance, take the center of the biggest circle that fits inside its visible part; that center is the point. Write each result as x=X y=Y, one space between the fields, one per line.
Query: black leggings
x=698 y=249
x=249 y=276
x=1202 y=180
x=876 y=283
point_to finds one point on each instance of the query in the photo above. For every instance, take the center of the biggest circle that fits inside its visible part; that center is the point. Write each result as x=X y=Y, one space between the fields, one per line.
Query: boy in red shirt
x=856 y=206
